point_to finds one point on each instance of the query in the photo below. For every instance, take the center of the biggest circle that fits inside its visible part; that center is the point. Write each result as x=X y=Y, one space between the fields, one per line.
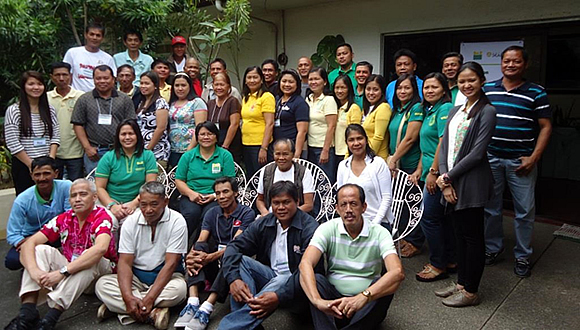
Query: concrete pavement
x=546 y=300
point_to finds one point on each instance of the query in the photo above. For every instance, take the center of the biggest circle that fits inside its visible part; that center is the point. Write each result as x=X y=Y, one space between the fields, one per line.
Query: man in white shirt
x=150 y=275
x=85 y=59
x=284 y=169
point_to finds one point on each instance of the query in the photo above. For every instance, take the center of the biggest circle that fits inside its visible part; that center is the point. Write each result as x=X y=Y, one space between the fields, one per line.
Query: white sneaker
x=199 y=321
x=186 y=315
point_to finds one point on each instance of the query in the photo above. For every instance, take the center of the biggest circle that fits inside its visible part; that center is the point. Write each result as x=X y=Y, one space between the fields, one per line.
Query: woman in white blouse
x=363 y=168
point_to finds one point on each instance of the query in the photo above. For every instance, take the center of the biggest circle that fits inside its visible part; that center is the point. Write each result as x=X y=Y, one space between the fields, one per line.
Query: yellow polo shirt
x=70 y=147
x=345 y=118
x=165 y=92
x=320 y=107
x=253 y=122
x=376 y=124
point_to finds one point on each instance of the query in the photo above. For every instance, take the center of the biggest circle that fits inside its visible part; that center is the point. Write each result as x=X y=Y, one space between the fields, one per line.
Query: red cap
x=178 y=40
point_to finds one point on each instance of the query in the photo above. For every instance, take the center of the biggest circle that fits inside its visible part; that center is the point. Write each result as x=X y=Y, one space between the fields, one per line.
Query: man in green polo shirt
x=344 y=57
x=353 y=293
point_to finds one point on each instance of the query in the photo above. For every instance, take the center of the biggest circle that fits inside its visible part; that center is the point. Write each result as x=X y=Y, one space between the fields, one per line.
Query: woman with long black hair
x=467 y=181
x=30 y=128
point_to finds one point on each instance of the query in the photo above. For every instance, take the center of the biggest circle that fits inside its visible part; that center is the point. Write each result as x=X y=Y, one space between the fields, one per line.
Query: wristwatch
x=367 y=294
x=434 y=172
x=64 y=271
x=111 y=204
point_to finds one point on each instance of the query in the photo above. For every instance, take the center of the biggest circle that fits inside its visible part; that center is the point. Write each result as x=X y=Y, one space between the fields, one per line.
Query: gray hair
x=286 y=141
x=153 y=188
x=91 y=184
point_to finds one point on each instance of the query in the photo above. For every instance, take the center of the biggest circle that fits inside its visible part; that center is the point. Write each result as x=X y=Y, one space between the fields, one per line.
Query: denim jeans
x=522 y=189
x=369 y=317
x=73 y=168
x=12 y=260
x=438 y=230
x=259 y=278
x=90 y=164
x=329 y=167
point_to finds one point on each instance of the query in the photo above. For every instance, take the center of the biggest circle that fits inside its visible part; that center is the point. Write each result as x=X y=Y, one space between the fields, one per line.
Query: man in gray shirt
x=96 y=116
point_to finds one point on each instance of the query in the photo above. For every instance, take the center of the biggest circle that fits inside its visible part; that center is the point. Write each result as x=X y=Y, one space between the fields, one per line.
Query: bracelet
x=434 y=171
x=446 y=178
x=265 y=149
x=111 y=204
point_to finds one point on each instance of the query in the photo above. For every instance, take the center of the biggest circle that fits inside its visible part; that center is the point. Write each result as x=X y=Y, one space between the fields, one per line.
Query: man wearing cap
x=178 y=57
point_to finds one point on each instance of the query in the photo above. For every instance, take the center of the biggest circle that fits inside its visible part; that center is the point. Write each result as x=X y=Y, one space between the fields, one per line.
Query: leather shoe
x=459 y=299
x=491 y=258
x=447 y=291
x=522 y=268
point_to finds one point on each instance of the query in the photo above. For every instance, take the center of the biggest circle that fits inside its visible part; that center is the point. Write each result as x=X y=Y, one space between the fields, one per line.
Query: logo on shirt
x=216 y=168
x=237 y=223
x=297 y=249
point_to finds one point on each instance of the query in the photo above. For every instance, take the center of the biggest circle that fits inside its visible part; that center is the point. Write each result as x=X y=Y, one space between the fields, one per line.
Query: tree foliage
x=35 y=33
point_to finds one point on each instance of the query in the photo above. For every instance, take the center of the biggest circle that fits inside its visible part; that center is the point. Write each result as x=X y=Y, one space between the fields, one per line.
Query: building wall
x=362 y=22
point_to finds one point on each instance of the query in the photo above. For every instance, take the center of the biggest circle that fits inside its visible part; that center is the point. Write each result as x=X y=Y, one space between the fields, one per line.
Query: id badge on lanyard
x=105 y=119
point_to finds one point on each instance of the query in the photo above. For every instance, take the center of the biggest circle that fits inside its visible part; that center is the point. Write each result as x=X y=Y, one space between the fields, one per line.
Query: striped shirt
x=353 y=263
x=38 y=143
x=518 y=112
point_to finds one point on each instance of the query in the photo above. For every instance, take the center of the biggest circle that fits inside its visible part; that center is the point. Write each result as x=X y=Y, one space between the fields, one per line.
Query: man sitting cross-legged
x=220 y=224
x=88 y=252
x=353 y=294
x=150 y=271
x=278 y=240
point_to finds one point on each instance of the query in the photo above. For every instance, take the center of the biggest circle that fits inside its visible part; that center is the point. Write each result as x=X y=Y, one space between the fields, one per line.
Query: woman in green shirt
x=123 y=170
x=436 y=226
x=406 y=120
x=196 y=172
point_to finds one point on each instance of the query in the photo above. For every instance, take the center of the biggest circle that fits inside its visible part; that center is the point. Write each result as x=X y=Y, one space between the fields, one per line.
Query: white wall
x=362 y=22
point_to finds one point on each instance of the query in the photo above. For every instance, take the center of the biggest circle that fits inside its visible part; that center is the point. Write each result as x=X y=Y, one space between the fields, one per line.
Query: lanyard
x=110 y=106
x=213 y=119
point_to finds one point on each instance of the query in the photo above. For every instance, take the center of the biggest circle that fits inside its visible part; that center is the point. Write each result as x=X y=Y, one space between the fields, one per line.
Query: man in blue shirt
x=140 y=62
x=35 y=207
x=220 y=225
x=405 y=62
x=521 y=135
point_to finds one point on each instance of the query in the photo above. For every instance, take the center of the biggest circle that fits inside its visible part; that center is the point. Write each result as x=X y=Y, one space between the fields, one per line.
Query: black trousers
x=211 y=272
x=470 y=239
x=21 y=176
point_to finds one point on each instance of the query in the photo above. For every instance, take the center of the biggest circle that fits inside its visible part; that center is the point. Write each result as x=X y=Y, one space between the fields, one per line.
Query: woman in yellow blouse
x=323 y=113
x=377 y=114
x=258 y=111
x=348 y=113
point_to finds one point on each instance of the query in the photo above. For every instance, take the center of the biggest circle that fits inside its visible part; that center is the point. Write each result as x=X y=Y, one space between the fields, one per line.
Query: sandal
x=431 y=274
x=409 y=251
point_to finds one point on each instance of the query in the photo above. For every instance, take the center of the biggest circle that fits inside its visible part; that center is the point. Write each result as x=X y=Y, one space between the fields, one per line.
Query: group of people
x=457 y=136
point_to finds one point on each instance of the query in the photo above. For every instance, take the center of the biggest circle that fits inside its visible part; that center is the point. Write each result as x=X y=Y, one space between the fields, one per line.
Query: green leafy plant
x=325 y=55
x=238 y=13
